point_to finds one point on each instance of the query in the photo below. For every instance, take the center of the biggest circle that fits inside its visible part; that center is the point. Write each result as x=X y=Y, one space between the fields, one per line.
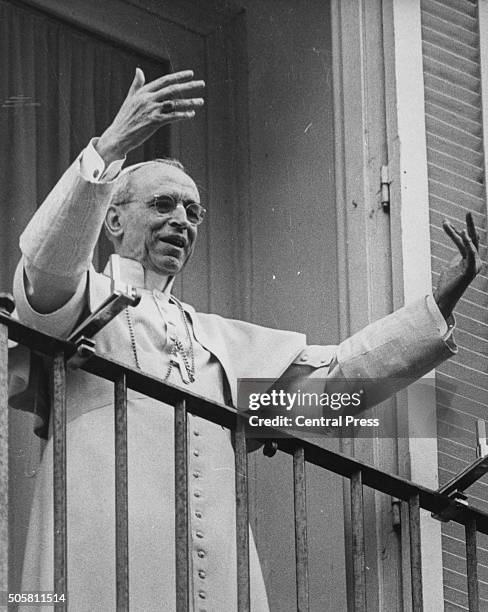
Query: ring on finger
x=168 y=106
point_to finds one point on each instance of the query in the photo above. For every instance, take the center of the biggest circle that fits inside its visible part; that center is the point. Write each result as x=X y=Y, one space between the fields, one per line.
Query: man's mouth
x=178 y=241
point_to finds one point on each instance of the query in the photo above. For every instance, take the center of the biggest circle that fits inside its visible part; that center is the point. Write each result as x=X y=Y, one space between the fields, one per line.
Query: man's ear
x=115 y=222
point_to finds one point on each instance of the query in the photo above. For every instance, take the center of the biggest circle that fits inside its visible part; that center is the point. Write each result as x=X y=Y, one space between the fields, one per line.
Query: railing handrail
x=333 y=461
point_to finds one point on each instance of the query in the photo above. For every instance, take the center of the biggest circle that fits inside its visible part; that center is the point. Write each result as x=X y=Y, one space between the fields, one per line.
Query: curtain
x=59 y=87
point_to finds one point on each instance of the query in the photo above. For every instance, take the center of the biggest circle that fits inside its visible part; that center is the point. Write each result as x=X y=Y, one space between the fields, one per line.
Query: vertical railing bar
x=358 y=549
x=121 y=495
x=181 y=508
x=242 y=518
x=4 y=429
x=301 y=544
x=59 y=480
x=472 y=567
x=415 y=553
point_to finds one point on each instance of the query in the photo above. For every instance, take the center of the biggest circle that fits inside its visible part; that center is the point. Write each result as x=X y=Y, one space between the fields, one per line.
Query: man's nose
x=179 y=218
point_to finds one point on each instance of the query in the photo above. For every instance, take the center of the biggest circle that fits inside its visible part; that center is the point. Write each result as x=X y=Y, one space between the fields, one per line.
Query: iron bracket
x=120 y=297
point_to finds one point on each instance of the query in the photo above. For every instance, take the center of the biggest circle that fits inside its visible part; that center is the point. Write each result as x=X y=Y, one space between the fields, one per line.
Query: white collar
x=133 y=273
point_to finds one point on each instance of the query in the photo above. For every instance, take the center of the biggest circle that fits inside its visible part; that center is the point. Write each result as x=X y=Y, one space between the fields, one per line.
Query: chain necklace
x=177 y=348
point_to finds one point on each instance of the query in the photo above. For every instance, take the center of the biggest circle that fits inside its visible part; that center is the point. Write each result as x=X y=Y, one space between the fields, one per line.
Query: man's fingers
x=170 y=106
x=137 y=82
x=177 y=90
x=473 y=234
x=169 y=79
x=474 y=260
x=455 y=237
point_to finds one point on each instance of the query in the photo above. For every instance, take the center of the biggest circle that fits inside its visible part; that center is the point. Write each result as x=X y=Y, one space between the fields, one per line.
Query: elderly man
x=151 y=213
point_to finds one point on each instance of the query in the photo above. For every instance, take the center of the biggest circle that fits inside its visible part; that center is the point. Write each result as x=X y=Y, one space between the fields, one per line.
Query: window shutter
x=450 y=38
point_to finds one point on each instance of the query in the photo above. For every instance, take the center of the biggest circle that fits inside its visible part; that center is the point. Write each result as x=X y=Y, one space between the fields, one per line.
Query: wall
x=457 y=183
x=291 y=144
x=294 y=263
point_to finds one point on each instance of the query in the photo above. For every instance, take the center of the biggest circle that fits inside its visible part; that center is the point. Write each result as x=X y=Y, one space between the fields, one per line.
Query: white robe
x=90 y=477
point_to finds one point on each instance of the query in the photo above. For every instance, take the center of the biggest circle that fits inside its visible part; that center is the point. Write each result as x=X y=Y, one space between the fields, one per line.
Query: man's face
x=161 y=241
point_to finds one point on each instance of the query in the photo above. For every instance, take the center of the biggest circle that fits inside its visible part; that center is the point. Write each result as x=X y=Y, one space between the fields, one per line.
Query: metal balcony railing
x=360 y=475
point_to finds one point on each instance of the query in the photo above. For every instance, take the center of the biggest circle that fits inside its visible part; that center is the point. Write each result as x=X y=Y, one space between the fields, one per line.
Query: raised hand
x=456 y=277
x=146 y=108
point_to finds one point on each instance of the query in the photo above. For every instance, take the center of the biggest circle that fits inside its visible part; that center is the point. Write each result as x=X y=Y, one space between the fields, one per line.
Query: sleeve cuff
x=445 y=326
x=92 y=166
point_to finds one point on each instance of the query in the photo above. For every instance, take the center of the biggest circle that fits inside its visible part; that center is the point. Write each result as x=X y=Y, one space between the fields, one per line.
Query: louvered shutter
x=452 y=82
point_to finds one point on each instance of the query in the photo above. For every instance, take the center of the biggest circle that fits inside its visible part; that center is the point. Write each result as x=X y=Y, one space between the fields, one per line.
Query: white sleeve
x=387 y=355
x=58 y=323
x=60 y=238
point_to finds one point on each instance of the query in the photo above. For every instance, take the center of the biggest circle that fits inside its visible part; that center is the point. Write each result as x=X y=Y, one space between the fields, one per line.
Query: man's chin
x=168 y=265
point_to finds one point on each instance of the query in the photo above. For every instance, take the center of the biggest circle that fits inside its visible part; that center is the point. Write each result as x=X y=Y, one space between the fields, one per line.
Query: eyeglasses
x=165 y=204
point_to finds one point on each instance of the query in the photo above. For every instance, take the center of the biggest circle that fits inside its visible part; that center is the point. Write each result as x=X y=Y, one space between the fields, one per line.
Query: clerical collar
x=133 y=273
